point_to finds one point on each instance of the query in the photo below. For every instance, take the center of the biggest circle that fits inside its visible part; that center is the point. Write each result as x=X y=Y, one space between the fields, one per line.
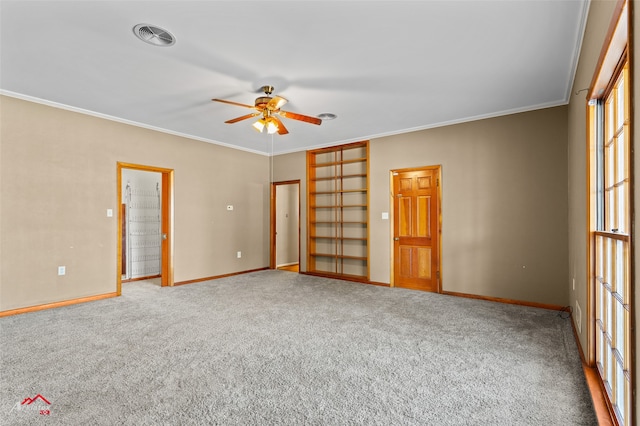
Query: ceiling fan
x=268 y=108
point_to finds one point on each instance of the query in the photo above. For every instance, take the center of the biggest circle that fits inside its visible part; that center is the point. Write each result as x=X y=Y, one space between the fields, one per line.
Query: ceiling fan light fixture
x=279 y=102
x=272 y=126
x=259 y=125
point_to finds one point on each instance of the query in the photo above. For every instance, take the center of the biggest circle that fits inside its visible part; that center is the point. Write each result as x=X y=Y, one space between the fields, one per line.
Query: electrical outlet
x=578 y=317
x=239 y=254
x=229 y=207
x=62 y=270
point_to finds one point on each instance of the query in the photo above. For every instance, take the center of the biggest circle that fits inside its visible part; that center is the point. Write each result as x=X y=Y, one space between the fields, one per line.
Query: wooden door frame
x=272 y=221
x=166 y=269
x=438 y=170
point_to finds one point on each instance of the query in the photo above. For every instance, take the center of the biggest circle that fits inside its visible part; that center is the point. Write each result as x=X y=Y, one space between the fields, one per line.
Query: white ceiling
x=383 y=67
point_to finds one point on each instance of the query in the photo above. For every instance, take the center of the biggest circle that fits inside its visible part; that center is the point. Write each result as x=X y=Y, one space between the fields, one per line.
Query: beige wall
x=504 y=204
x=58 y=178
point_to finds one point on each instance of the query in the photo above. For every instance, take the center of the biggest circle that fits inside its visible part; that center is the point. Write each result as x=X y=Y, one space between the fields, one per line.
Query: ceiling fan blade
x=305 y=118
x=281 y=129
x=244 y=117
x=234 y=103
x=276 y=103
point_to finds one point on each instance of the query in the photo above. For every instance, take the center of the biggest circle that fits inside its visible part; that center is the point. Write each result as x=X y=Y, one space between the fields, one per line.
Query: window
x=610 y=221
x=611 y=245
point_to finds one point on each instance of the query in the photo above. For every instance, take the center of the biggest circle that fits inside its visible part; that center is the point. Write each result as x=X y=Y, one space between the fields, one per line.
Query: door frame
x=166 y=269
x=438 y=170
x=272 y=221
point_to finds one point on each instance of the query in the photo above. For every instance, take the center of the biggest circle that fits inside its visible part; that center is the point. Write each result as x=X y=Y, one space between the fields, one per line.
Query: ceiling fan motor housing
x=262 y=101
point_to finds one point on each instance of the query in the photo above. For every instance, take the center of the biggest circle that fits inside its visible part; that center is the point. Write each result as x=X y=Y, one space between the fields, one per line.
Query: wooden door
x=416 y=226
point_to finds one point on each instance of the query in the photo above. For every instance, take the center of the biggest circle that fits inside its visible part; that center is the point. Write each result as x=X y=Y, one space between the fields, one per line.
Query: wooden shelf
x=319 y=237
x=338 y=194
x=349 y=206
x=339 y=191
x=319 y=179
x=338 y=222
x=349 y=277
x=336 y=163
x=338 y=256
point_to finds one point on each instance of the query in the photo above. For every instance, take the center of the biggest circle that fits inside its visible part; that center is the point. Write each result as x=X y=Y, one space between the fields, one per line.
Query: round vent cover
x=154 y=35
x=326 y=116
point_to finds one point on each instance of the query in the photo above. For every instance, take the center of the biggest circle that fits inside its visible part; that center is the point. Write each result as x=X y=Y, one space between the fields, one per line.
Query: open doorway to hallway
x=285 y=225
x=145 y=224
x=141 y=211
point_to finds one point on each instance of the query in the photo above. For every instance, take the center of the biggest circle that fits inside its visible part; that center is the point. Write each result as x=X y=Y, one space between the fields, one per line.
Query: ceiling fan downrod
x=268 y=90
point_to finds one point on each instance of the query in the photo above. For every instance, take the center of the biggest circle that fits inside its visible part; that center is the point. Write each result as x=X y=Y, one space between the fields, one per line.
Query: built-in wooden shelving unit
x=338 y=202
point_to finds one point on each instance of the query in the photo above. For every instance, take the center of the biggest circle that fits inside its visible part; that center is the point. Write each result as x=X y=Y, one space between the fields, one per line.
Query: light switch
x=109 y=213
x=229 y=207
x=385 y=215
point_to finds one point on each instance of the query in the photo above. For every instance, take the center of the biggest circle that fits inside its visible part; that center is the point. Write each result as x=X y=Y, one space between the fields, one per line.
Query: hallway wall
x=58 y=178
x=504 y=204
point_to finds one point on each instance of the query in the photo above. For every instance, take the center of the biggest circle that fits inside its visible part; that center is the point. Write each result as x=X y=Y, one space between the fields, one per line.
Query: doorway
x=416 y=228
x=285 y=225
x=141 y=224
x=145 y=223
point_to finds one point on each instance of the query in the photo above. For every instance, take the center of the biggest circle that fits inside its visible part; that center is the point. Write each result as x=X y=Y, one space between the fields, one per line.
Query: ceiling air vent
x=154 y=35
x=326 y=116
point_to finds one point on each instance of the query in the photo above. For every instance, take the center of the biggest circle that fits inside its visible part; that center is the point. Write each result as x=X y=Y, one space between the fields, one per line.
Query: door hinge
x=437 y=182
x=438 y=274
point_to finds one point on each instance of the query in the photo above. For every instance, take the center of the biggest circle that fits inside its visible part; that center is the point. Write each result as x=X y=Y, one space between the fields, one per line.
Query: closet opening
x=145 y=224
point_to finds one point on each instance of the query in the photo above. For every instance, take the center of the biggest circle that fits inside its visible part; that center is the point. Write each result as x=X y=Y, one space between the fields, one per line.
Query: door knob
x=164 y=236
x=396 y=238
